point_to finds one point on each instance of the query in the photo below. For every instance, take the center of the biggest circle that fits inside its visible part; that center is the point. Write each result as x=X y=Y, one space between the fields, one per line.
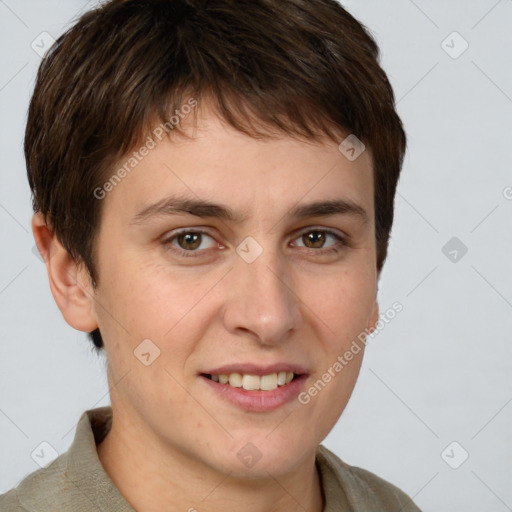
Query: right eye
x=189 y=241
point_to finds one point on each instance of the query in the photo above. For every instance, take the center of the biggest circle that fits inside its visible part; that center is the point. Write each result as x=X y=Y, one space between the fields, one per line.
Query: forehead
x=219 y=165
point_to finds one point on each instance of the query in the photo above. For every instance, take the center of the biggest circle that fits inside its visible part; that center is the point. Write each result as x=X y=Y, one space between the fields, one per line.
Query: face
x=185 y=297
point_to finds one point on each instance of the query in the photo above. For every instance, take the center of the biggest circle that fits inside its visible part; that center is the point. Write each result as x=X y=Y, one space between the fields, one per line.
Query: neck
x=153 y=477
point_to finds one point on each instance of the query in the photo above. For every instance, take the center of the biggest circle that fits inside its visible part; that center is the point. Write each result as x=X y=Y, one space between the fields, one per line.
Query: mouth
x=255 y=393
x=254 y=387
x=253 y=382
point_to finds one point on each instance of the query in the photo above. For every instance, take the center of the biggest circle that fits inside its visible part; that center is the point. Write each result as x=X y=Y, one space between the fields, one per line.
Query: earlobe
x=69 y=282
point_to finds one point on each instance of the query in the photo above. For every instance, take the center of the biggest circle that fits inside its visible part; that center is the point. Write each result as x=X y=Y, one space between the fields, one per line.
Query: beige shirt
x=76 y=481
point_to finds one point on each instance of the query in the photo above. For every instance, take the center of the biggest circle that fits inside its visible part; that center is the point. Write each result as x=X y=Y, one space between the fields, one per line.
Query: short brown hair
x=302 y=67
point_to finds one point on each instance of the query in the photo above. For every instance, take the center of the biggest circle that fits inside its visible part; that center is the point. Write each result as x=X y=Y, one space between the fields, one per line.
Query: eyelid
x=295 y=234
x=342 y=239
x=325 y=229
x=169 y=238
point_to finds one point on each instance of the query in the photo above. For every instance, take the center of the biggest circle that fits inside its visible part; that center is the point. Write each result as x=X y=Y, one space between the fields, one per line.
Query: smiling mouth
x=251 y=382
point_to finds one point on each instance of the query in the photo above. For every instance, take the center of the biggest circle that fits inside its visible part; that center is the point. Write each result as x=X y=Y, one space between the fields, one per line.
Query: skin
x=174 y=442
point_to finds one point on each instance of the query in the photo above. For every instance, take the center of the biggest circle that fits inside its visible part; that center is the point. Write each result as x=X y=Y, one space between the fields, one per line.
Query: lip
x=257 y=400
x=254 y=369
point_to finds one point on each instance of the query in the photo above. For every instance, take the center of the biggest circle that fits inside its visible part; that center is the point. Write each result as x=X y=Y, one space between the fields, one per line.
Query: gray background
x=439 y=372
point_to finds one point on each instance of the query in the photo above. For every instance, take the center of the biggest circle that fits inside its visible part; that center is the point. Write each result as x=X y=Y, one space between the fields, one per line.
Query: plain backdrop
x=432 y=409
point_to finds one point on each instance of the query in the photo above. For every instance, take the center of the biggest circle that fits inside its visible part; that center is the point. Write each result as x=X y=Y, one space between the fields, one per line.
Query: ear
x=374 y=317
x=69 y=282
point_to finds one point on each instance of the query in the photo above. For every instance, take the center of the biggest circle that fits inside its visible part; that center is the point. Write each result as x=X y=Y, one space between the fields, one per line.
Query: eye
x=315 y=239
x=188 y=242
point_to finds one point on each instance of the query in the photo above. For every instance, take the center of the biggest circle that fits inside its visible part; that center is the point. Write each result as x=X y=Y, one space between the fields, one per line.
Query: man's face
x=213 y=295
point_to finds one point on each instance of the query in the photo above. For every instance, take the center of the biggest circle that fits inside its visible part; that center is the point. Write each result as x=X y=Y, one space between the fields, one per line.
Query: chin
x=257 y=456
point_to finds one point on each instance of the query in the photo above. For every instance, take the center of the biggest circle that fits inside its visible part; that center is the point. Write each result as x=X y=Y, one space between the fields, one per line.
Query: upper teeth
x=254 y=382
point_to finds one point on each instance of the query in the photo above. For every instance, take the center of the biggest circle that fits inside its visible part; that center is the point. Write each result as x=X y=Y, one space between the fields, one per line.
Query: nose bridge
x=262 y=298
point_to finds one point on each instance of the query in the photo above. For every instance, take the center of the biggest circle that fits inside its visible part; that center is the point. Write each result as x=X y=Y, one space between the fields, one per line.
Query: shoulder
x=68 y=482
x=9 y=502
x=364 y=490
x=37 y=490
x=76 y=480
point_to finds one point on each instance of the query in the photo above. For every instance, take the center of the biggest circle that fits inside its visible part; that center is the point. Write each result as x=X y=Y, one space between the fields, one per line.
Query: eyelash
x=196 y=253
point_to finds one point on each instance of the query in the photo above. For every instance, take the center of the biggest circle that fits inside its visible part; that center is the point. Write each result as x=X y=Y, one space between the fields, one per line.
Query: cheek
x=147 y=299
x=344 y=303
x=172 y=309
x=329 y=391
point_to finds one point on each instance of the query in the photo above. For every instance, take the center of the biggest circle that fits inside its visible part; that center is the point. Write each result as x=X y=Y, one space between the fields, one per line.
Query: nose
x=262 y=302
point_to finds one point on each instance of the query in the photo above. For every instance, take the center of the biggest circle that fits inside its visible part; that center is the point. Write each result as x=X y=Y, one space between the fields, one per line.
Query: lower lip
x=257 y=400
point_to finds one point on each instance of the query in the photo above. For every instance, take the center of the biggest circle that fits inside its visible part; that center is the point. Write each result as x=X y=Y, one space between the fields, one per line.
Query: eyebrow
x=176 y=205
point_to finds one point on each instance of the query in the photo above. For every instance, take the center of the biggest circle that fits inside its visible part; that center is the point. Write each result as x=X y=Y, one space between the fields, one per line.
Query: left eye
x=318 y=236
